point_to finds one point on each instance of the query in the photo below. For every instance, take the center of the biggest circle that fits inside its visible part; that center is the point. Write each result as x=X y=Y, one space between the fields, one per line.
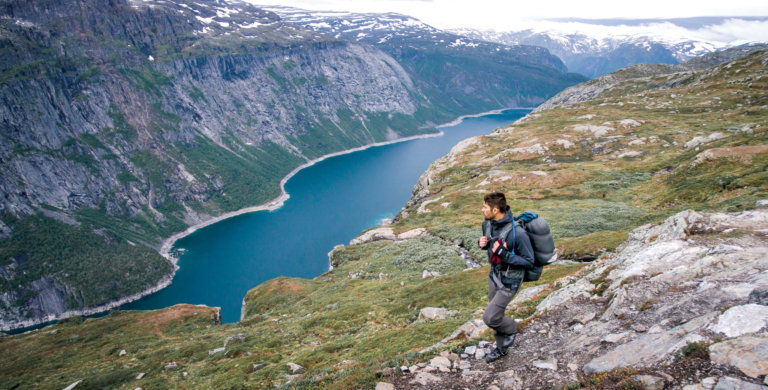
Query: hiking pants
x=499 y=297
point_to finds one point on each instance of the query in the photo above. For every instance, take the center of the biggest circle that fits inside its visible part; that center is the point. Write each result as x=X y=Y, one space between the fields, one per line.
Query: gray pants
x=498 y=299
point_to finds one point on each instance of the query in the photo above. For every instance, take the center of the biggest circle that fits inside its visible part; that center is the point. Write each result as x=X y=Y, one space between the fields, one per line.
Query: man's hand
x=483 y=242
x=496 y=245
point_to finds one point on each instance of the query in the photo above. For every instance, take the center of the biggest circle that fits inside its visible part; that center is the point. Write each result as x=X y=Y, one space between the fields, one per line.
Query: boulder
x=234 y=339
x=384 y=233
x=296 y=369
x=171 y=366
x=741 y=320
x=413 y=233
x=425 y=378
x=649 y=348
x=728 y=383
x=384 y=386
x=546 y=364
x=435 y=313
x=216 y=350
x=748 y=354
x=441 y=363
x=509 y=380
x=648 y=382
x=430 y=274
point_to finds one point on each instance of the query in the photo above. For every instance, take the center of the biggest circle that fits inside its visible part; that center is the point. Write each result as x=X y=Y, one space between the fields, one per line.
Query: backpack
x=541 y=241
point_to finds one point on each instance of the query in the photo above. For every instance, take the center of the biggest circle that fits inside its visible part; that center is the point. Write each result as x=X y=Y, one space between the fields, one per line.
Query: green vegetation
x=82 y=257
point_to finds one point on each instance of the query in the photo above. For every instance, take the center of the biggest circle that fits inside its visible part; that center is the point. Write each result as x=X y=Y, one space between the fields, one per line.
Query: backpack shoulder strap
x=505 y=231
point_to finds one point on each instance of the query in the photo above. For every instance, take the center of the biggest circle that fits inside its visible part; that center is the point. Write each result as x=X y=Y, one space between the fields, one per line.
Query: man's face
x=488 y=212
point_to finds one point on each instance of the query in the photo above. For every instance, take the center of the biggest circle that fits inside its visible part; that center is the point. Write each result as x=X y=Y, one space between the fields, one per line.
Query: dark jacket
x=519 y=259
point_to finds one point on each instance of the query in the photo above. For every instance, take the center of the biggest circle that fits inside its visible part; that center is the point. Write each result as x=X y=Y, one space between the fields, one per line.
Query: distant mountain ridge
x=470 y=72
x=597 y=47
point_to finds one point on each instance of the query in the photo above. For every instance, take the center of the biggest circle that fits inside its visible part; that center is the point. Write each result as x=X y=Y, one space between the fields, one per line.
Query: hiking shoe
x=495 y=355
x=507 y=341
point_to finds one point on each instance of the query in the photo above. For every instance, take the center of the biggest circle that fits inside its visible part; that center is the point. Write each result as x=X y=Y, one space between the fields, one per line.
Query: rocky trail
x=680 y=305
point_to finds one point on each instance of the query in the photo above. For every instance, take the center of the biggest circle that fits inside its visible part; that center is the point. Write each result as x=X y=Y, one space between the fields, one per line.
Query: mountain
x=663 y=185
x=126 y=121
x=455 y=72
x=597 y=47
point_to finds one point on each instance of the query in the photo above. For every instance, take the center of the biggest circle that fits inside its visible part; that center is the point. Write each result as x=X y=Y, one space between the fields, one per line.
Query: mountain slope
x=126 y=121
x=614 y=176
x=454 y=71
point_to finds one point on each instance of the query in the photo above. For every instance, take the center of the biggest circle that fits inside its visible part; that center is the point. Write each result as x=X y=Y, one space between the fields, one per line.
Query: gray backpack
x=541 y=240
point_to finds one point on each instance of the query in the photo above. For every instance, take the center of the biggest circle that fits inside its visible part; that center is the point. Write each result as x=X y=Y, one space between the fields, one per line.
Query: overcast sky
x=501 y=14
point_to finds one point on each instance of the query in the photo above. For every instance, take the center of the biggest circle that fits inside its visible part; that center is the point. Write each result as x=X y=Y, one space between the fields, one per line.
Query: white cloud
x=505 y=14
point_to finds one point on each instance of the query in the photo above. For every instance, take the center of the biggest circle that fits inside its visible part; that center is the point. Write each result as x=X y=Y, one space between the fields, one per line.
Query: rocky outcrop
x=695 y=282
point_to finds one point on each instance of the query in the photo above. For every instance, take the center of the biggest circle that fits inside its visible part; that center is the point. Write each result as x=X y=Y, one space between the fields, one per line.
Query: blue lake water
x=330 y=203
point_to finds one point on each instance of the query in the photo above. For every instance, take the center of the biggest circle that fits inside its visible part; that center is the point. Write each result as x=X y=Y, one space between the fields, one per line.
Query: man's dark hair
x=497 y=200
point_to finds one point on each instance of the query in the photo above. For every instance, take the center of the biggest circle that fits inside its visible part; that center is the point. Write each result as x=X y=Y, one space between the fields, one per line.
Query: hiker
x=508 y=264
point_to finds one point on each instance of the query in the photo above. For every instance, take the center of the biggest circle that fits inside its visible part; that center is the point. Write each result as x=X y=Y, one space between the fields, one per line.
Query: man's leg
x=503 y=327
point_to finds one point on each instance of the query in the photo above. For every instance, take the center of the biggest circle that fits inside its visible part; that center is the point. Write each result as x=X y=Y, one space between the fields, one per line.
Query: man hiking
x=510 y=254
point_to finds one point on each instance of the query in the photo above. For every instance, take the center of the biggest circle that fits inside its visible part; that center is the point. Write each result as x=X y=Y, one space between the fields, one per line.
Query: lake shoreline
x=274 y=204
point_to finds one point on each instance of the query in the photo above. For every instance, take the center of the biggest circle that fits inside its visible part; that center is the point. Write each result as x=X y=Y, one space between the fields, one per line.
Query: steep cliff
x=125 y=121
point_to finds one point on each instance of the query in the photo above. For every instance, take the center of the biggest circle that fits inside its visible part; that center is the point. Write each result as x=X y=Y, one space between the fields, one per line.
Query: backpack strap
x=505 y=231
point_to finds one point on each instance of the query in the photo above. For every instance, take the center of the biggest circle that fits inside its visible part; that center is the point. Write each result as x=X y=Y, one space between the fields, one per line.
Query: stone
x=413 y=233
x=696 y=386
x=583 y=318
x=385 y=233
x=296 y=369
x=546 y=364
x=479 y=354
x=741 y=320
x=292 y=378
x=234 y=339
x=441 y=363
x=473 y=374
x=141 y=375
x=614 y=338
x=184 y=374
x=649 y=382
x=430 y=274
x=216 y=350
x=432 y=313
x=649 y=348
x=483 y=344
x=404 y=368
x=413 y=368
x=171 y=366
x=425 y=378
x=572 y=367
x=384 y=386
x=122 y=353
x=709 y=382
x=493 y=387
x=510 y=380
x=749 y=354
x=465 y=365
x=258 y=366
x=762 y=203
x=728 y=383
x=639 y=328
x=470 y=350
